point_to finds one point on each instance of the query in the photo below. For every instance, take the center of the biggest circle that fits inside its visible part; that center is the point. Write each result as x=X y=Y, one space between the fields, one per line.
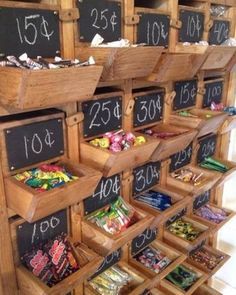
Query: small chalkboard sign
x=214 y=91
x=207 y=147
x=181 y=158
x=101 y=17
x=192 y=26
x=219 y=32
x=145 y=177
x=109 y=261
x=186 y=93
x=30 y=30
x=176 y=216
x=153 y=29
x=31 y=235
x=143 y=240
x=34 y=143
x=201 y=200
x=101 y=116
x=148 y=109
x=107 y=191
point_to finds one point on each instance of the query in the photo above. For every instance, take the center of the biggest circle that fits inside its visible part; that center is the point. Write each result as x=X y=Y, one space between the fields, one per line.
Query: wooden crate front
x=206 y=290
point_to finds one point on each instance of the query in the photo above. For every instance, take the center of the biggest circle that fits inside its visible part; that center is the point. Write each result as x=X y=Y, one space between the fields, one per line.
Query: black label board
x=207 y=147
x=181 y=158
x=153 y=29
x=176 y=217
x=101 y=17
x=201 y=200
x=186 y=94
x=101 y=116
x=214 y=91
x=219 y=32
x=35 y=143
x=192 y=26
x=107 y=191
x=146 y=176
x=109 y=261
x=34 y=31
x=143 y=240
x=148 y=109
x=31 y=235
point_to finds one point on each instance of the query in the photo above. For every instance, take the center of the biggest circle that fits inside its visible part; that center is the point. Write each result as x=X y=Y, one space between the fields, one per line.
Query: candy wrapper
x=153 y=259
x=216 y=215
x=161 y=135
x=206 y=258
x=155 y=200
x=114 y=218
x=46 y=177
x=182 y=277
x=184 y=229
x=218 y=10
x=212 y=164
x=118 y=141
x=111 y=281
x=187 y=175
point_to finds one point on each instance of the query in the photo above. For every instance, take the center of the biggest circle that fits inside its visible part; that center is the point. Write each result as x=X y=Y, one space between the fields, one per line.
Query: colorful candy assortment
x=52 y=262
x=187 y=175
x=182 y=277
x=153 y=259
x=161 y=134
x=212 y=164
x=115 y=217
x=46 y=177
x=206 y=258
x=184 y=229
x=231 y=110
x=118 y=141
x=210 y=213
x=155 y=200
x=113 y=281
x=24 y=62
x=188 y=114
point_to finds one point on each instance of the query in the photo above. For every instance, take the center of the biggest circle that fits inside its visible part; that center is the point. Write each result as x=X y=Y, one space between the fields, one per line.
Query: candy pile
x=46 y=177
x=182 y=277
x=206 y=258
x=184 y=229
x=187 y=175
x=153 y=259
x=214 y=214
x=113 y=281
x=52 y=262
x=115 y=217
x=155 y=200
x=231 y=110
x=118 y=141
x=24 y=62
x=188 y=114
x=161 y=134
x=212 y=164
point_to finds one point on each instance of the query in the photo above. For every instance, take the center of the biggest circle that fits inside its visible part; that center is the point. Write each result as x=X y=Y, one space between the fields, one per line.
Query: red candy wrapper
x=51 y=168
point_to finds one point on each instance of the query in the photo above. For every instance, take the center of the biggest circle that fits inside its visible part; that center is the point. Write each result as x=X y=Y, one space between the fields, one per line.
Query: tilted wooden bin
x=206 y=290
x=27 y=89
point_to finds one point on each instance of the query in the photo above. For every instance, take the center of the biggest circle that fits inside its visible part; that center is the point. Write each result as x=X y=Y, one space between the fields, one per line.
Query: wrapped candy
x=214 y=214
x=212 y=164
x=46 y=177
x=155 y=200
x=184 y=229
x=187 y=175
x=161 y=134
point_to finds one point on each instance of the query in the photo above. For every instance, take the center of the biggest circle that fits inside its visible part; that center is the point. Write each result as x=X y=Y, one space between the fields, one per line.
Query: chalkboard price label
x=153 y=29
x=148 y=109
x=219 y=32
x=107 y=191
x=181 y=158
x=207 y=147
x=176 y=217
x=34 y=31
x=214 y=91
x=145 y=177
x=109 y=261
x=35 y=143
x=186 y=93
x=101 y=17
x=31 y=235
x=192 y=26
x=143 y=240
x=101 y=116
x=201 y=200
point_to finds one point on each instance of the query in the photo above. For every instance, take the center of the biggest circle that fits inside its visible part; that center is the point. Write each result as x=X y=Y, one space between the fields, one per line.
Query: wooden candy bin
x=138 y=284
